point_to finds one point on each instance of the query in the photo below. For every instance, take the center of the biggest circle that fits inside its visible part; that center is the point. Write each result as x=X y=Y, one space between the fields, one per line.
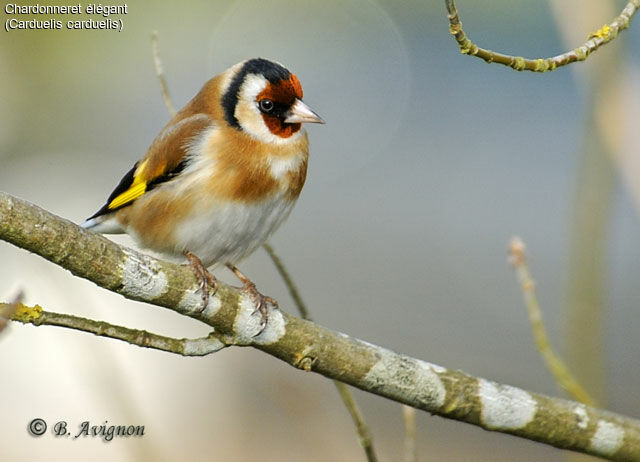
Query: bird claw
x=206 y=280
x=261 y=303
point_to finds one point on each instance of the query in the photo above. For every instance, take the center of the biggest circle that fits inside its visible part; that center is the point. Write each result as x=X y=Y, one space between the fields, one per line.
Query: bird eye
x=266 y=105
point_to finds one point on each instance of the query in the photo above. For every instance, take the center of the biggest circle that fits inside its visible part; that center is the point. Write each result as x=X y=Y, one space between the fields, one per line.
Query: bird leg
x=258 y=299
x=206 y=280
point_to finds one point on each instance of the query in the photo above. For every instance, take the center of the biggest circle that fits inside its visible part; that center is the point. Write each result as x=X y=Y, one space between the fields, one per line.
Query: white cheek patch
x=249 y=116
x=247 y=112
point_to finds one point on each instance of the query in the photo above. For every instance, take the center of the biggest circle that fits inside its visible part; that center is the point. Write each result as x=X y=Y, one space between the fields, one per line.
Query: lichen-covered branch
x=607 y=33
x=36 y=316
x=302 y=344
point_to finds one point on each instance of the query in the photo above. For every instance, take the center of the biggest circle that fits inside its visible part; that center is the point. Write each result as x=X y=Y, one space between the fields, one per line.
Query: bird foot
x=260 y=301
x=206 y=280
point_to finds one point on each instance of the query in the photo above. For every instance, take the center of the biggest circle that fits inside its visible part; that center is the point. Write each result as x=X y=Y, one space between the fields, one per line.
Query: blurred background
x=429 y=162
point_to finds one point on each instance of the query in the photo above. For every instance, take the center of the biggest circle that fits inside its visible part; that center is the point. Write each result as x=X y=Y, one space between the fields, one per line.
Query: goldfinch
x=221 y=176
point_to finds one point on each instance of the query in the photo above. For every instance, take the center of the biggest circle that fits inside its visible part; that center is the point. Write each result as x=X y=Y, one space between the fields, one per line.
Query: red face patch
x=284 y=93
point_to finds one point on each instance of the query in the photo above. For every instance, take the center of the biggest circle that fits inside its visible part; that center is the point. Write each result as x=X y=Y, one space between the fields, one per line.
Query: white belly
x=230 y=232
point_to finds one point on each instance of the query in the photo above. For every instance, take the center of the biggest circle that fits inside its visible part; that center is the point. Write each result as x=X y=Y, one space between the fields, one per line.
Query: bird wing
x=164 y=160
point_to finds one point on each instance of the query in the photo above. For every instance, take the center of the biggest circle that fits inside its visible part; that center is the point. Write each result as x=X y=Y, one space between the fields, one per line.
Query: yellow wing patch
x=137 y=189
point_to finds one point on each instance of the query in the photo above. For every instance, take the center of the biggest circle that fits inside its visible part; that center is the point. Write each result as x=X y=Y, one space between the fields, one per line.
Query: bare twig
x=364 y=434
x=410 y=449
x=595 y=40
x=36 y=316
x=160 y=74
x=564 y=378
x=304 y=345
x=286 y=277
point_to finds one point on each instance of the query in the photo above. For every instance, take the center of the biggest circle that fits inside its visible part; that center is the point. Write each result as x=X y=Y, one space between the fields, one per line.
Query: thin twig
x=410 y=448
x=36 y=316
x=595 y=40
x=565 y=379
x=286 y=277
x=364 y=434
x=160 y=74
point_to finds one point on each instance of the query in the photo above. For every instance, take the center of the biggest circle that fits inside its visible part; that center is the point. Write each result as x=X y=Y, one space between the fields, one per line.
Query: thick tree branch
x=595 y=40
x=451 y=394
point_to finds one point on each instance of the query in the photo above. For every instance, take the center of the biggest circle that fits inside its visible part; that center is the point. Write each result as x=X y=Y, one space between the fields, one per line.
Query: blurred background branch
x=7 y=310
x=157 y=63
x=600 y=164
x=564 y=378
x=410 y=434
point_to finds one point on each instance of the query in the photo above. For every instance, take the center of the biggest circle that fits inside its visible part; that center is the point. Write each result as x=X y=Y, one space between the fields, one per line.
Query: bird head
x=264 y=99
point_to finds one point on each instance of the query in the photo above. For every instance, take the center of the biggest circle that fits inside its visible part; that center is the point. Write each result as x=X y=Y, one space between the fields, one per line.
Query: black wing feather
x=127 y=181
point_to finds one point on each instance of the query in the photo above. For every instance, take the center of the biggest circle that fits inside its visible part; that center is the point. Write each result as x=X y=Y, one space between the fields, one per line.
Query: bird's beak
x=300 y=112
